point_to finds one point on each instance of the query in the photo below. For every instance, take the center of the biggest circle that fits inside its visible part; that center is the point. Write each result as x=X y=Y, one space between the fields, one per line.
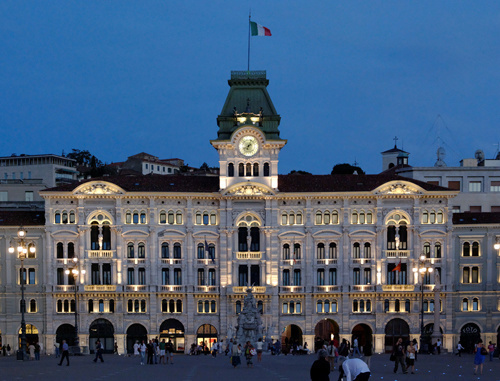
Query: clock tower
x=248 y=140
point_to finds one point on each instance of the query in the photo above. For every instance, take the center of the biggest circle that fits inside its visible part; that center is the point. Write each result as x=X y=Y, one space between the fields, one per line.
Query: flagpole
x=248 y=67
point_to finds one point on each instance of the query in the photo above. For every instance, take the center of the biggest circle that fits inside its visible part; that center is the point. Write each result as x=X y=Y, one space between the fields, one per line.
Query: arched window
x=238 y=307
x=101 y=305
x=386 y=305
x=319 y=307
x=334 y=306
x=465 y=304
x=143 y=305
x=326 y=218
x=230 y=170
x=320 y=251
x=65 y=217
x=171 y=306
x=333 y=250
x=327 y=306
x=130 y=250
x=286 y=251
x=143 y=217
x=354 y=305
x=369 y=218
x=266 y=169
x=284 y=219
x=164 y=305
x=198 y=218
x=432 y=217
x=164 y=250
x=319 y=218
x=437 y=250
x=72 y=218
x=66 y=306
x=128 y=217
x=141 y=251
x=296 y=251
x=205 y=219
x=391 y=237
x=59 y=306
x=361 y=217
x=59 y=250
x=354 y=218
x=212 y=307
x=425 y=217
x=368 y=306
x=200 y=307
x=335 y=217
x=407 y=305
x=355 y=250
x=71 y=250
x=201 y=251
x=260 y=306
x=57 y=217
x=466 y=249
x=396 y=305
x=170 y=218
x=475 y=249
x=475 y=304
x=361 y=305
x=291 y=219
x=32 y=306
x=241 y=170
x=177 y=250
x=178 y=218
x=256 y=169
x=91 y=306
x=426 y=305
x=213 y=219
x=427 y=250
x=367 y=250
x=440 y=218
x=111 y=305
x=135 y=218
x=163 y=217
x=249 y=169
x=178 y=306
x=298 y=219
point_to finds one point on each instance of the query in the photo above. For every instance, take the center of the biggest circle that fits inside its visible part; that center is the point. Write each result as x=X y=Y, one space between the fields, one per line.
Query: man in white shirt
x=354 y=370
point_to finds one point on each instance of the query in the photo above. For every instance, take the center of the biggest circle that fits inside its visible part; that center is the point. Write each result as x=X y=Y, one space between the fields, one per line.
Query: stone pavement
x=204 y=368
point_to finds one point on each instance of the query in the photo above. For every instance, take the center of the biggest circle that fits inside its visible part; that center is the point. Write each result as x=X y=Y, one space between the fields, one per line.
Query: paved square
x=206 y=368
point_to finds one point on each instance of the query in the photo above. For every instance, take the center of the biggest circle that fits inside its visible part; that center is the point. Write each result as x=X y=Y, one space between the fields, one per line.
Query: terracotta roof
x=476 y=218
x=21 y=218
x=286 y=183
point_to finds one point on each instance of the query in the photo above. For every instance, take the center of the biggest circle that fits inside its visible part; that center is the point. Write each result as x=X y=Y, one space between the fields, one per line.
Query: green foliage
x=299 y=172
x=346 y=169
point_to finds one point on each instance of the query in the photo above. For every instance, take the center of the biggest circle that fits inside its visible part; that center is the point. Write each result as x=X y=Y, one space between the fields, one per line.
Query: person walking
x=399 y=356
x=354 y=370
x=65 y=353
x=438 y=346
x=491 y=349
x=320 y=369
x=37 y=351
x=98 y=351
x=368 y=352
x=149 y=352
x=355 y=346
x=460 y=349
x=235 y=354
x=332 y=353
x=480 y=356
x=259 y=345
x=249 y=353
x=142 y=349
x=170 y=352
x=410 y=357
x=136 y=348
x=163 y=347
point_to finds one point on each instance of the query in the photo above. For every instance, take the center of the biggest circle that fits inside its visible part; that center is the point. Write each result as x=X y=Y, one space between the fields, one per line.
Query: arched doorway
x=103 y=330
x=172 y=329
x=427 y=337
x=136 y=332
x=31 y=335
x=206 y=334
x=65 y=332
x=469 y=336
x=291 y=334
x=325 y=331
x=395 y=329
x=364 y=334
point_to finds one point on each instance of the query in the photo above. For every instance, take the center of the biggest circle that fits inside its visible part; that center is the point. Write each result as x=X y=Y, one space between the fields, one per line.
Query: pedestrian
x=155 y=350
x=215 y=349
x=259 y=345
x=115 y=348
x=368 y=352
x=65 y=353
x=149 y=352
x=170 y=352
x=142 y=350
x=229 y=347
x=410 y=357
x=163 y=347
x=344 y=348
x=480 y=356
x=438 y=346
x=31 y=349
x=399 y=355
x=249 y=353
x=235 y=354
x=332 y=352
x=136 y=348
x=57 y=350
x=277 y=347
x=460 y=349
x=491 y=349
x=415 y=345
x=37 y=351
x=355 y=346
x=221 y=343
x=320 y=369
x=354 y=370
x=98 y=351
x=4 y=350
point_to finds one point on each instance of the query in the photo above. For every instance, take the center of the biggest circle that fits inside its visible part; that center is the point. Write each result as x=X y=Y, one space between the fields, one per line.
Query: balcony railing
x=206 y=288
x=249 y=255
x=326 y=261
x=363 y=288
x=99 y=287
x=172 y=288
x=255 y=289
x=292 y=262
x=100 y=253
x=397 y=253
x=326 y=288
x=205 y=262
x=171 y=261
x=291 y=288
x=136 y=261
x=361 y=261
x=64 y=288
x=135 y=288
x=398 y=287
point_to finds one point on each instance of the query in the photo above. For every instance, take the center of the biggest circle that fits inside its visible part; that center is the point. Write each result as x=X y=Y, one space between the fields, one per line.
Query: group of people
x=156 y=352
x=5 y=349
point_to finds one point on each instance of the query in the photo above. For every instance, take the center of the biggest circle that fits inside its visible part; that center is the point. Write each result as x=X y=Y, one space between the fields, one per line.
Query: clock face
x=248 y=145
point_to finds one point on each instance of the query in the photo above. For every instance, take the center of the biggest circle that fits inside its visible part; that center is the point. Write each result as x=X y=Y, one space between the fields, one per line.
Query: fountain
x=249 y=322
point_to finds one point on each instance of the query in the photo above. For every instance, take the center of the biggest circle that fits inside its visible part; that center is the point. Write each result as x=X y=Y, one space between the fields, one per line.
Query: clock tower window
x=266 y=169
x=230 y=170
x=256 y=169
x=249 y=169
x=241 y=170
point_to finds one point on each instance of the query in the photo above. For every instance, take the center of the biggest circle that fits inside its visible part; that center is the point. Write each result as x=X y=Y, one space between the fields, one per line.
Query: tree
x=299 y=172
x=84 y=158
x=346 y=169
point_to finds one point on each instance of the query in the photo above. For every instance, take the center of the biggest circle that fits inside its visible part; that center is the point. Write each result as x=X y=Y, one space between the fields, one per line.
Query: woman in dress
x=480 y=355
x=410 y=354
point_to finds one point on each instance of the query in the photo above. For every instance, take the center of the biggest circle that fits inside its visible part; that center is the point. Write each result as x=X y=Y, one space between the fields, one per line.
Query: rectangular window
x=367 y=276
x=455 y=209
x=321 y=277
x=332 y=277
x=130 y=276
x=4 y=196
x=94 y=274
x=475 y=275
x=21 y=175
x=28 y=196
x=201 y=277
x=29 y=174
x=243 y=275
x=466 y=275
x=106 y=273
x=356 y=277
x=495 y=208
x=495 y=186
x=475 y=209
x=454 y=185
x=142 y=276
x=474 y=186
x=165 y=275
x=60 y=276
x=433 y=182
x=286 y=277
x=31 y=276
x=177 y=277
x=296 y=278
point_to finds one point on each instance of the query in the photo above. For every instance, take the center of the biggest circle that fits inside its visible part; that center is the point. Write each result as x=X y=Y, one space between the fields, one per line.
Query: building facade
x=325 y=255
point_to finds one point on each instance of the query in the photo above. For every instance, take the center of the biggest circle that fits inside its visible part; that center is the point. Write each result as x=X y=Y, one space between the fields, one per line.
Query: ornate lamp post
x=74 y=272
x=423 y=268
x=22 y=253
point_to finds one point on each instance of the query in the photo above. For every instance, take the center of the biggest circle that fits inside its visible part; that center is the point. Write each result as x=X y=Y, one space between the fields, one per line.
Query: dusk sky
x=121 y=77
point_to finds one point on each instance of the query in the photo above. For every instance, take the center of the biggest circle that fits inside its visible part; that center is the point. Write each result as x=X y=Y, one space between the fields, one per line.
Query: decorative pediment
x=399 y=188
x=98 y=188
x=248 y=190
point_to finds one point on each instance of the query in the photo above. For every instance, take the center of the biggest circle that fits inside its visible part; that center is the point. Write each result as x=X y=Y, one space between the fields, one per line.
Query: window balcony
x=397 y=253
x=135 y=288
x=100 y=287
x=249 y=255
x=292 y=289
x=319 y=289
x=136 y=261
x=362 y=261
x=363 y=288
x=206 y=288
x=398 y=287
x=291 y=262
x=63 y=288
x=172 y=288
x=255 y=289
x=205 y=262
x=326 y=261
x=100 y=253
x=171 y=261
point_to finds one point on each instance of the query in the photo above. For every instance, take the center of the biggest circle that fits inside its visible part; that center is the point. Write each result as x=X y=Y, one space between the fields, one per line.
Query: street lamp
x=22 y=252
x=496 y=246
x=423 y=268
x=74 y=272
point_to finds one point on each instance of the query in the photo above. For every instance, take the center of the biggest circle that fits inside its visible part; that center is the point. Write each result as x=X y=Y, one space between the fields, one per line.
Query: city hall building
x=327 y=256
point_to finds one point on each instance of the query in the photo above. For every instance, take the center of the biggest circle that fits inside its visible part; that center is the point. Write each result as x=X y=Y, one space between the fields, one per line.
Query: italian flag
x=259 y=30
